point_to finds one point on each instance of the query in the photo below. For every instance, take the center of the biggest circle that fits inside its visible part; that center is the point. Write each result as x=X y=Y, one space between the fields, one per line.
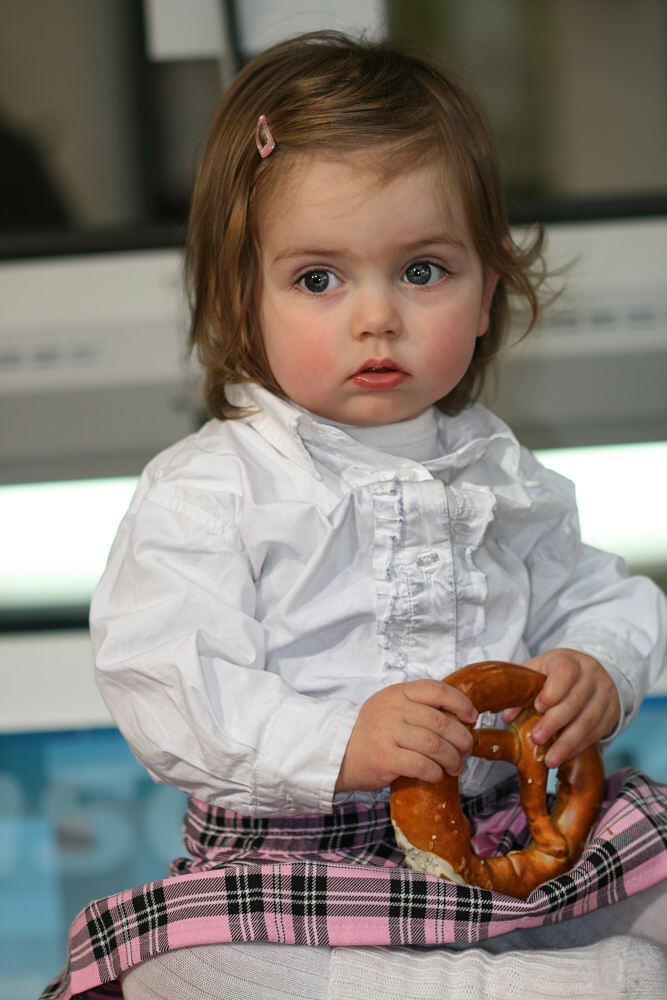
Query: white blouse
x=274 y=572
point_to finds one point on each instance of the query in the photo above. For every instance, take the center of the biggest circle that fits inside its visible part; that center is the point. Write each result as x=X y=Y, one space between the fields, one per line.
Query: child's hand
x=579 y=698
x=399 y=731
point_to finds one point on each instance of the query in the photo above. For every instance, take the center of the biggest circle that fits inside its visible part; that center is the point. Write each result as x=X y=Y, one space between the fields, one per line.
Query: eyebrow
x=438 y=239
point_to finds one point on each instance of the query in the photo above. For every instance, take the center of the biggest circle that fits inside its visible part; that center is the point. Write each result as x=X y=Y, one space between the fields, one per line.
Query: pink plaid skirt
x=340 y=880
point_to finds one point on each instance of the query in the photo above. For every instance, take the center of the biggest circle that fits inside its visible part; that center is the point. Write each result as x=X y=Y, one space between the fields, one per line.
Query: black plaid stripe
x=102 y=992
x=560 y=892
x=149 y=909
x=101 y=926
x=281 y=904
x=407 y=898
x=369 y=841
x=348 y=826
x=638 y=842
x=607 y=864
x=353 y=833
x=646 y=794
x=413 y=901
x=112 y=923
x=243 y=892
x=308 y=892
x=659 y=825
x=370 y=831
x=210 y=827
x=600 y=871
x=150 y=914
x=407 y=909
x=474 y=906
x=244 y=903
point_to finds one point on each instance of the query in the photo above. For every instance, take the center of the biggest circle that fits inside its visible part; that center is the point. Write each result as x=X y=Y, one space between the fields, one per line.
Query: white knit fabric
x=615 y=969
x=232 y=972
x=416 y=439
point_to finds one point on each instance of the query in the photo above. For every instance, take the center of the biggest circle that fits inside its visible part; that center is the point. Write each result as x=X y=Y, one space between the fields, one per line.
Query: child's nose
x=375 y=313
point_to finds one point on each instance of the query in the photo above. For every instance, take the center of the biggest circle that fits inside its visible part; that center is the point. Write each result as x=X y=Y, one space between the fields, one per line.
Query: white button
x=428 y=560
x=463 y=506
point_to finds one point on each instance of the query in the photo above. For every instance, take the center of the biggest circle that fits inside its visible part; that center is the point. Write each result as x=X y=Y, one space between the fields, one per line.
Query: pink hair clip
x=270 y=144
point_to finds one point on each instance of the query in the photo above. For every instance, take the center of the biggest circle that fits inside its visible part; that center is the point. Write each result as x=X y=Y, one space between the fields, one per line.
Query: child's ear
x=488 y=289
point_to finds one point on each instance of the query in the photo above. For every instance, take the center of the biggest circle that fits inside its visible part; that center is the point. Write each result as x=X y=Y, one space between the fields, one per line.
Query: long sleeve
x=180 y=662
x=584 y=599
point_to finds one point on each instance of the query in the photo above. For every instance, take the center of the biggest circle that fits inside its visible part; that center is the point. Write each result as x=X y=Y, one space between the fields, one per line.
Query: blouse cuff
x=623 y=664
x=299 y=765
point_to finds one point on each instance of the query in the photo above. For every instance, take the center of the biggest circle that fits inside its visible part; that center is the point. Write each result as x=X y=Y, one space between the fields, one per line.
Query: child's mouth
x=379 y=375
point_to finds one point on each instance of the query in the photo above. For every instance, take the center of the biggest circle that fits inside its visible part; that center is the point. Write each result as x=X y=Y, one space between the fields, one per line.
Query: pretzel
x=428 y=820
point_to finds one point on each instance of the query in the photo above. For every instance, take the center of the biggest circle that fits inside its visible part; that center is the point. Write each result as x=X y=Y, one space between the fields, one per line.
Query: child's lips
x=377 y=375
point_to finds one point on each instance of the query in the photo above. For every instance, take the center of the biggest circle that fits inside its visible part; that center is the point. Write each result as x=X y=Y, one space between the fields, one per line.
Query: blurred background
x=104 y=106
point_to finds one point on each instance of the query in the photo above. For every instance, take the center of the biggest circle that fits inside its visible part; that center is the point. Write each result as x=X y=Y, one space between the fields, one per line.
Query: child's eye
x=319 y=280
x=423 y=273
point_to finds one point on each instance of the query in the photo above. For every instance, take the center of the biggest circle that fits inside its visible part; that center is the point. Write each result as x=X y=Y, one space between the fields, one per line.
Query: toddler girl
x=292 y=583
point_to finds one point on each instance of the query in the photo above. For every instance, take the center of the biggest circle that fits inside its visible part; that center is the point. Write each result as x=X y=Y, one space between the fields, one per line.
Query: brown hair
x=327 y=94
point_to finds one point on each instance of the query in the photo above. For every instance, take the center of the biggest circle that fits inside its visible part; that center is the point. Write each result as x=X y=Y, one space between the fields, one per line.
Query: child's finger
x=573 y=740
x=411 y=764
x=562 y=672
x=577 y=704
x=596 y=722
x=442 y=728
x=586 y=727
x=439 y=694
x=427 y=744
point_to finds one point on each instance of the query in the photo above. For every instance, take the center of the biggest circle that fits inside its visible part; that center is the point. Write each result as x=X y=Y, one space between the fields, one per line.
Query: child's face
x=373 y=295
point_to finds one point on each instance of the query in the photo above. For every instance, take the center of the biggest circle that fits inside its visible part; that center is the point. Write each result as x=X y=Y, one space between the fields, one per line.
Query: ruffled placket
x=471 y=511
x=428 y=589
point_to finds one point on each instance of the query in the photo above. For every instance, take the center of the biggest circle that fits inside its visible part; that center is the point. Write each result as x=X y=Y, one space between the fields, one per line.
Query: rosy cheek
x=310 y=353
x=299 y=362
x=452 y=354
